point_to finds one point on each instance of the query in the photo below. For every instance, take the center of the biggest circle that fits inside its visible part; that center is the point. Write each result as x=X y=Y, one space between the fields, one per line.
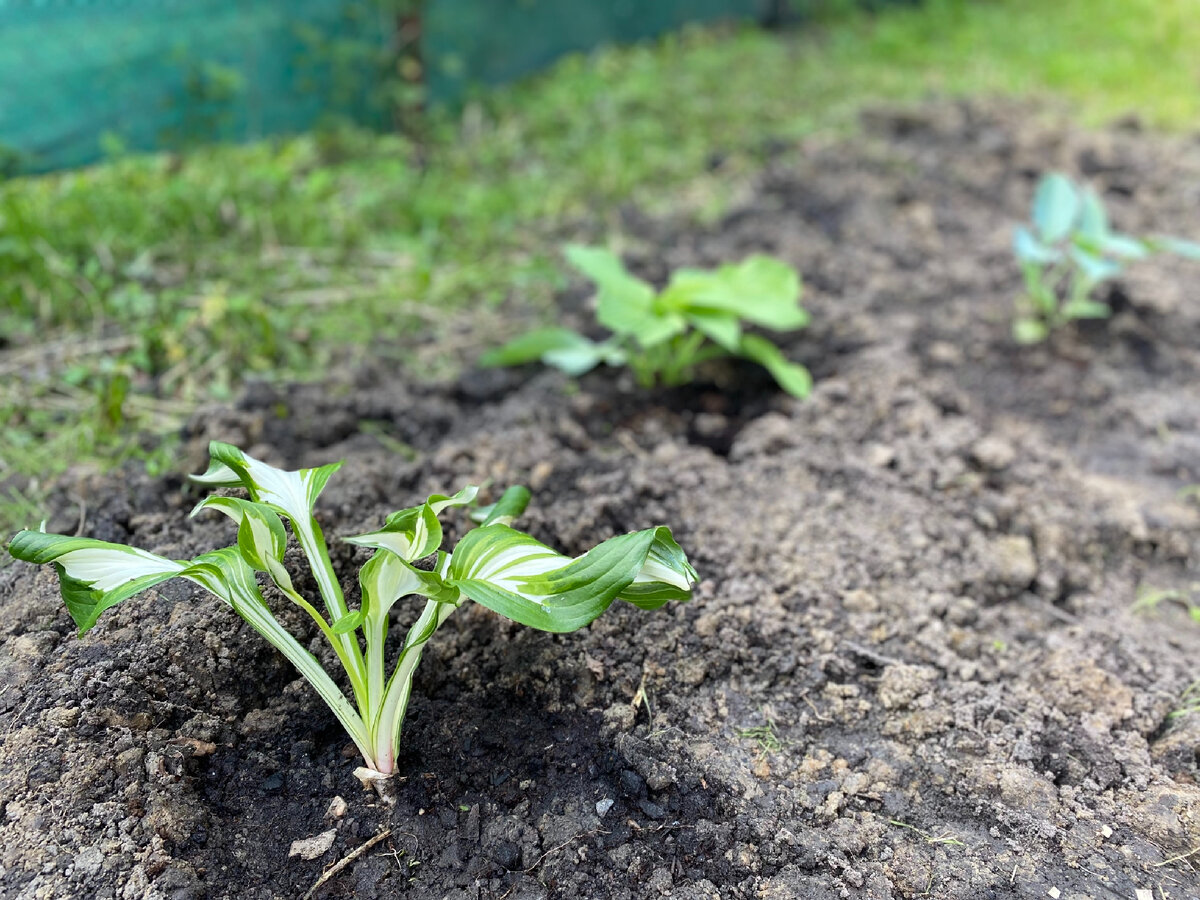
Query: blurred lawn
x=133 y=290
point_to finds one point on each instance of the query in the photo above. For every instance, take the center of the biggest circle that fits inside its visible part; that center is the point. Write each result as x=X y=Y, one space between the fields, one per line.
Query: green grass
x=146 y=285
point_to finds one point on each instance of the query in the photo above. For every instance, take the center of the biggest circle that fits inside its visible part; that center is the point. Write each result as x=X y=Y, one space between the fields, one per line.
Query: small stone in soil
x=993 y=453
x=603 y=806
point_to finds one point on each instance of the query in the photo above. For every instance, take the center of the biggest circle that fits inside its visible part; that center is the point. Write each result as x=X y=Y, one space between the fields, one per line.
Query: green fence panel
x=469 y=42
x=78 y=77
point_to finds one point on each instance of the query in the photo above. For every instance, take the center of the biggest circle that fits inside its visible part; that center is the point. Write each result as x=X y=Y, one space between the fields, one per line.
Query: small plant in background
x=493 y=564
x=1068 y=252
x=1151 y=598
x=664 y=335
x=1189 y=702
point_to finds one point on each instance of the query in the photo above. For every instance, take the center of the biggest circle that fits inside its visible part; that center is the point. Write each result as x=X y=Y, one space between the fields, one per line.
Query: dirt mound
x=911 y=668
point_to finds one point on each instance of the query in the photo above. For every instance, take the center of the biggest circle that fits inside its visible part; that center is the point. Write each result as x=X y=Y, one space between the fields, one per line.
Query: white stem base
x=383 y=785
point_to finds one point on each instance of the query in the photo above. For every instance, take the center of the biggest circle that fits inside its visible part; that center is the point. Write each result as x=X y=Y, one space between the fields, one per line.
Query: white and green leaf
x=521 y=578
x=261 y=535
x=94 y=575
x=290 y=493
x=415 y=532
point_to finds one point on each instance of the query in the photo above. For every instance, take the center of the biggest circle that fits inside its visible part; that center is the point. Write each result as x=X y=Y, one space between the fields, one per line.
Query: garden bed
x=911 y=668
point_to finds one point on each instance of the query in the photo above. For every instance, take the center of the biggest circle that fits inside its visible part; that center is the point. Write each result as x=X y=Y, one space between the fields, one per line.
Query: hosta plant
x=663 y=335
x=493 y=564
x=1067 y=252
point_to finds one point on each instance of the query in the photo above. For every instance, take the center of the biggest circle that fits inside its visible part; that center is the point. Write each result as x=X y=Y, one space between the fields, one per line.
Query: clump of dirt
x=911 y=669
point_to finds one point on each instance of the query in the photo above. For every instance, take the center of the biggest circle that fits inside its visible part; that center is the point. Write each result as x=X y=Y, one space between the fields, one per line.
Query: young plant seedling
x=493 y=564
x=663 y=335
x=1068 y=252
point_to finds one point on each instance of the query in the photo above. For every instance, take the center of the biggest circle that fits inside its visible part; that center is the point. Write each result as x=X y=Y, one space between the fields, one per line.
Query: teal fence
x=81 y=78
x=467 y=42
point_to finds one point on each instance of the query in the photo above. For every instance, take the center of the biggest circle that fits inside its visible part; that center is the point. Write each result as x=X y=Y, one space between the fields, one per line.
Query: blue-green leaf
x=1178 y=246
x=1093 y=218
x=1056 y=207
x=1095 y=268
x=1029 y=249
x=1124 y=246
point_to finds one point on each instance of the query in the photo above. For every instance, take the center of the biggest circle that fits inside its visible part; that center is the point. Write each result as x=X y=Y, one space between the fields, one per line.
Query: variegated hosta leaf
x=227 y=574
x=386 y=578
x=523 y=579
x=261 y=536
x=415 y=532
x=290 y=493
x=94 y=575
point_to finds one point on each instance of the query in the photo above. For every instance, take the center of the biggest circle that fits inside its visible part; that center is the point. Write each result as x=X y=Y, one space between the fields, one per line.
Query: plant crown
x=493 y=564
x=664 y=335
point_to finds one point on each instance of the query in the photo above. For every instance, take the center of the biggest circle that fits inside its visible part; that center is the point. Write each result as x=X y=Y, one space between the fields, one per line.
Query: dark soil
x=912 y=668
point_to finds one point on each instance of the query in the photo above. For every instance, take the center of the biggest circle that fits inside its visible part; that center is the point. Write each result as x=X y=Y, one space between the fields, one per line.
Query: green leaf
x=533 y=346
x=792 y=377
x=1029 y=331
x=524 y=580
x=261 y=537
x=510 y=505
x=666 y=575
x=93 y=575
x=1086 y=309
x=575 y=360
x=760 y=289
x=348 y=623
x=721 y=328
x=1056 y=207
x=624 y=303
